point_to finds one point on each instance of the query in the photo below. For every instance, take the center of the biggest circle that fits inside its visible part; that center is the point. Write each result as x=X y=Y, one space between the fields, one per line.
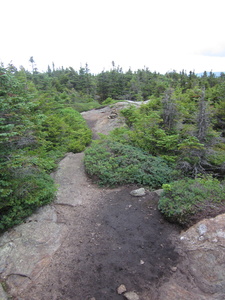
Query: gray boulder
x=138 y=193
x=202 y=248
x=131 y=296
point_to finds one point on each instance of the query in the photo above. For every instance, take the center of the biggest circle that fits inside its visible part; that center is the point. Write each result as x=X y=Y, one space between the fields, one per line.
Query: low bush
x=189 y=200
x=80 y=107
x=66 y=130
x=108 y=101
x=28 y=190
x=111 y=163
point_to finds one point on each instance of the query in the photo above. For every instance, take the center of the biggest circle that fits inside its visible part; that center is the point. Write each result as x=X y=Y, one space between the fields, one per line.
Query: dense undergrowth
x=177 y=139
x=174 y=141
x=112 y=163
x=186 y=200
x=37 y=128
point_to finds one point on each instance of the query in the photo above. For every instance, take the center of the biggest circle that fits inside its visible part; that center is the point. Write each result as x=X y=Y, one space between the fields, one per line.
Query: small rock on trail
x=131 y=296
x=121 y=289
x=138 y=192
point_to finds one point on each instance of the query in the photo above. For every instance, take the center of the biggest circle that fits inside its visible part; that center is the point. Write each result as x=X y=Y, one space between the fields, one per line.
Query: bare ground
x=121 y=240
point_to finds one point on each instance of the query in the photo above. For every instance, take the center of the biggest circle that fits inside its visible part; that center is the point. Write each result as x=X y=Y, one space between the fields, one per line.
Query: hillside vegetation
x=179 y=135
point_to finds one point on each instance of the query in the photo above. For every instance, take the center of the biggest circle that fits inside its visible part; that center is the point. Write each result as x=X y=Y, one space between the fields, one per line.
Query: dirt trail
x=119 y=239
x=113 y=238
x=89 y=241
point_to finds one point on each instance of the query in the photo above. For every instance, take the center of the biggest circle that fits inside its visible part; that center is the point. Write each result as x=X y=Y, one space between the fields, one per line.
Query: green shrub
x=130 y=114
x=108 y=101
x=182 y=200
x=112 y=163
x=66 y=130
x=217 y=155
x=28 y=191
x=144 y=131
x=80 y=106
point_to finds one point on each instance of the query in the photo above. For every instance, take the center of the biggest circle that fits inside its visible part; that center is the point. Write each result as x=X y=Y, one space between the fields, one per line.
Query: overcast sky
x=163 y=35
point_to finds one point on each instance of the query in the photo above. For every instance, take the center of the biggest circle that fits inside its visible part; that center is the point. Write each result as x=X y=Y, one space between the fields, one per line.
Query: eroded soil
x=123 y=240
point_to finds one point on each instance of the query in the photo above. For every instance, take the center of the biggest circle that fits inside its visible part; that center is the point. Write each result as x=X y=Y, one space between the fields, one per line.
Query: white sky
x=163 y=35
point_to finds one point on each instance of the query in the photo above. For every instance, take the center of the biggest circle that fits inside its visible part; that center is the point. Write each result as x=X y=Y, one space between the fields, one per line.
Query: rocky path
x=90 y=241
x=114 y=239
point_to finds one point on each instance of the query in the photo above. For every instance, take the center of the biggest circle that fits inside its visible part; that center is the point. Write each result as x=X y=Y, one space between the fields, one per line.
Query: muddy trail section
x=121 y=240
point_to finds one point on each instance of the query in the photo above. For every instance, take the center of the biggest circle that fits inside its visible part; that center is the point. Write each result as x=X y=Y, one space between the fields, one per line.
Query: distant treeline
x=133 y=85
